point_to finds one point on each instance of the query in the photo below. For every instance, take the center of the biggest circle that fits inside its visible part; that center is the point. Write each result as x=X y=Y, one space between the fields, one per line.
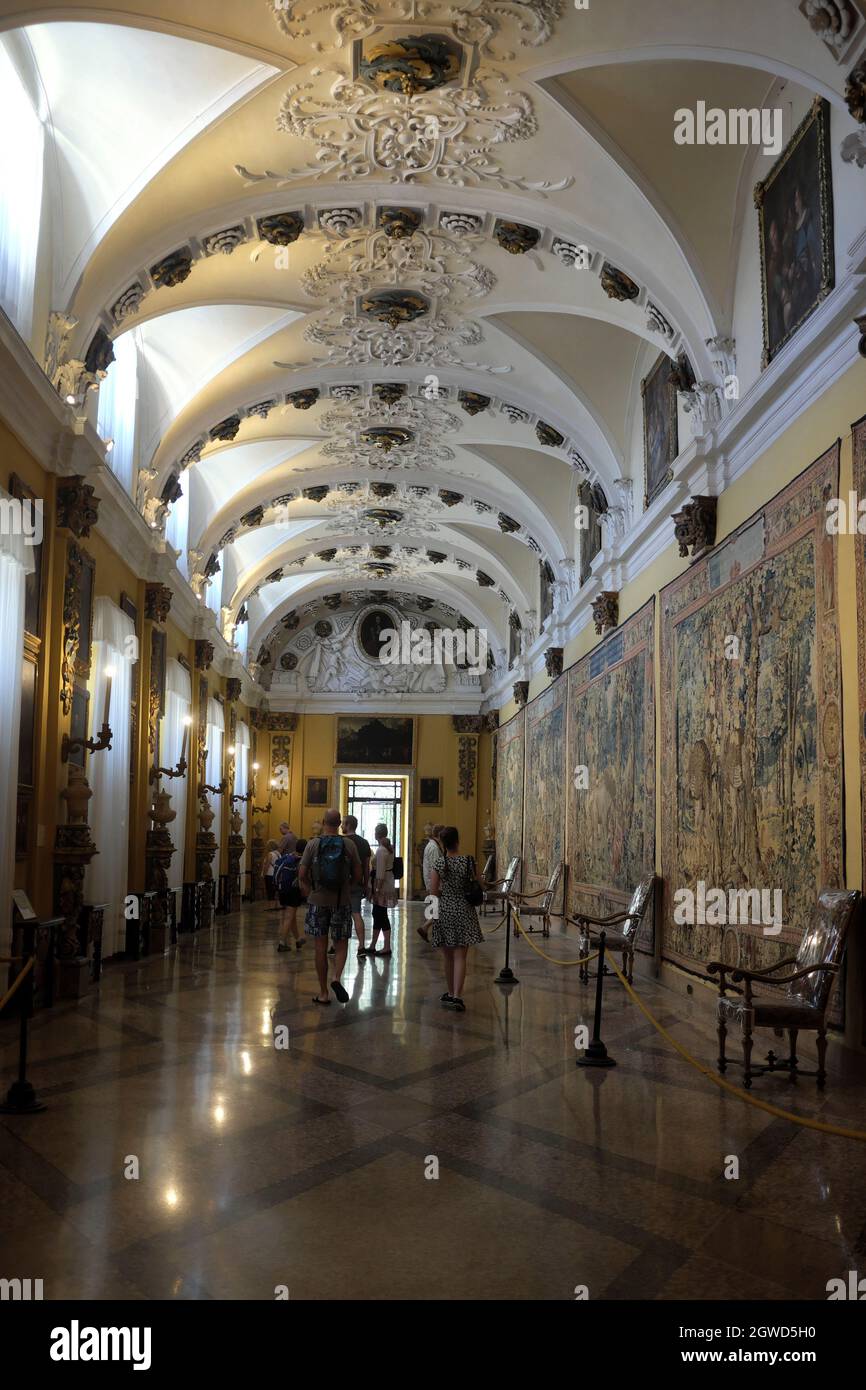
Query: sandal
x=325 y=1003
x=340 y=991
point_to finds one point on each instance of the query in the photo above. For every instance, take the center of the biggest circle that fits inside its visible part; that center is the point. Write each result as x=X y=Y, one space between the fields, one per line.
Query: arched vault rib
x=534 y=522
x=442 y=593
x=460 y=547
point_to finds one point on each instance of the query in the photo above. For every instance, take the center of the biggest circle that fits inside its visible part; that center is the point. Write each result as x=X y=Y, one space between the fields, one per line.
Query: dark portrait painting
x=317 y=791
x=371 y=629
x=431 y=791
x=661 y=443
x=375 y=741
x=795 y=212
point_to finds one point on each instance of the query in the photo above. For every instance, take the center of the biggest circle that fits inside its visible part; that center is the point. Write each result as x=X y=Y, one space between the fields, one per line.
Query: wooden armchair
x=630 y=923
x=803 y=1002
x=496 y=894
x=541 y=903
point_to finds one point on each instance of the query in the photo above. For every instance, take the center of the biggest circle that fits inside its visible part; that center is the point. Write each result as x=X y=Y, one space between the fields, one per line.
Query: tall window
x=118 y=396
x=21 y=152
x=177 y=528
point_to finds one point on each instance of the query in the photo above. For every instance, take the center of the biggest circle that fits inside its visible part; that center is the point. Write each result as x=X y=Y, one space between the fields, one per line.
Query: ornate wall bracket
x=695 y=526
x=605 y=610
x=553 y=661
x=157 y=602
x=77 y=507
x=521 y=693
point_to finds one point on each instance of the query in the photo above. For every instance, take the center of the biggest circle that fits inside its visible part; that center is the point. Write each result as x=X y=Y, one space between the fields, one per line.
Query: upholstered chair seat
x=629 y=923
x=539 y=905
x=769 y=999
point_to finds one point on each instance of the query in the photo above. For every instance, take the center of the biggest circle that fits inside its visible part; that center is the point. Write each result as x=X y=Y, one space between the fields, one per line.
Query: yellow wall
x=436 y=755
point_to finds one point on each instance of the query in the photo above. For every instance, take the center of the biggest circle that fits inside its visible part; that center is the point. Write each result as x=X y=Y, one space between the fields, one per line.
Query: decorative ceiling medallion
x=389 y=391
x=549 y=436
x=411 y=65
x=419 y=424
x=386 y=438
x=384 y=516
x=616 y=284
x=352 y=340
x=172 y=269
x=281 y=228
x=224 y=242
x=303 y=400
x=493 y=25
x=399 y=223
x=515 y=237
x=395 y=307
x=473 y=402
x=446 y=136
x=436 y=263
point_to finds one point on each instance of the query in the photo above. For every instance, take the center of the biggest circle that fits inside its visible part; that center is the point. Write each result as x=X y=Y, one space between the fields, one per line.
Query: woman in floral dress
x=455 y=928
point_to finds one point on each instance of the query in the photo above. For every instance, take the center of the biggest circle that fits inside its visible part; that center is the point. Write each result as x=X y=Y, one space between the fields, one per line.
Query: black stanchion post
x=596 y=1054
x=21 y=1098
x=506 y=975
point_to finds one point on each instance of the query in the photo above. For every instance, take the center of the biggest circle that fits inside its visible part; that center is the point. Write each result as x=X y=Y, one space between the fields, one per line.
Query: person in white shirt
x=432 y=850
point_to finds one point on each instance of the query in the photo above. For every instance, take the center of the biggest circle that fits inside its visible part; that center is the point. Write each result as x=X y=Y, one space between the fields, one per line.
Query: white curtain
x=16 y=561
x=242 y=637
x=118 y=396
x=108 y=772
x=242 y=784
x=21 y=154
x=178 y=707
x=216 y=725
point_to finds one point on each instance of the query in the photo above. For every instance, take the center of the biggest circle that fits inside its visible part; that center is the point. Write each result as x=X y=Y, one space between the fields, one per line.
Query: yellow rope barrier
x=584 y=961
x=491 y=930
x=726 y=1085
x=19 y=980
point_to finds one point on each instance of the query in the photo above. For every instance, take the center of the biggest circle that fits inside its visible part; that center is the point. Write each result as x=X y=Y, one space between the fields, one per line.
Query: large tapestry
x=508 y=766
x=751 y=733
x=611 y=770
x=544 y=798
x=858 y=433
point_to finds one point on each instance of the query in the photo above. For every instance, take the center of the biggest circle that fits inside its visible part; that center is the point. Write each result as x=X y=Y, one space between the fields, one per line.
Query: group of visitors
x=334 y=871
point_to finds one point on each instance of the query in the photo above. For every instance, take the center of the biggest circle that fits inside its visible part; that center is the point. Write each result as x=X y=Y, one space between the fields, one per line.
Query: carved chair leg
x=723 y=1033
x=747 y=1055
x=792 y=1035
x=821 y=1042
x=545 y=925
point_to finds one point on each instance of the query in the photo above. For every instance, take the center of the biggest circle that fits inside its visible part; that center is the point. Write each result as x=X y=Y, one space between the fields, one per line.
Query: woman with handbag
x=455 y=882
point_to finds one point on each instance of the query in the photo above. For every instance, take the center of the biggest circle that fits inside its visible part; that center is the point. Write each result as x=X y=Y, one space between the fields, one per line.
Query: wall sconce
x=103 y=739
x=214 y=791
x=180 y=770
x=265 y=810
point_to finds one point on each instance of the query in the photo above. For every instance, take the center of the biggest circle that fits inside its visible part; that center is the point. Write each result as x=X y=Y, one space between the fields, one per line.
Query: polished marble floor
x=307 y=1166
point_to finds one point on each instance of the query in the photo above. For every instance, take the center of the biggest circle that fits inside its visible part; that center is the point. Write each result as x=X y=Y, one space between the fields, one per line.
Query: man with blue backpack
x=330 y=866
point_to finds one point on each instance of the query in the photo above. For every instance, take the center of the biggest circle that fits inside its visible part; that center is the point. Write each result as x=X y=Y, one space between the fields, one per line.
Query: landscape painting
x=610 y=825
x=375 y=741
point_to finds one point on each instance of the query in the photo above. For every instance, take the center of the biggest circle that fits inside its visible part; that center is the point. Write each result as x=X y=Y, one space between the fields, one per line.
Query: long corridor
x=282 y=1150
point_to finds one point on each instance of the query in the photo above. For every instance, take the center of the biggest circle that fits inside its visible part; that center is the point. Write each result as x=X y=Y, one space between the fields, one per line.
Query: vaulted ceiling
x=372 y=275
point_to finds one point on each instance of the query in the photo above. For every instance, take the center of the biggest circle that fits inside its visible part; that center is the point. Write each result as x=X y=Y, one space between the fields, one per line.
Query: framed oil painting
x=795 y=215
x=375 y=740
x=431 y=791
x=661 y=442
x=317 y=791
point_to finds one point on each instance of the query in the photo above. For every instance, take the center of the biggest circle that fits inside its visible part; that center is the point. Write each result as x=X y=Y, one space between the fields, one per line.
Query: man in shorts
x=350 y=830
x=329 y=904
